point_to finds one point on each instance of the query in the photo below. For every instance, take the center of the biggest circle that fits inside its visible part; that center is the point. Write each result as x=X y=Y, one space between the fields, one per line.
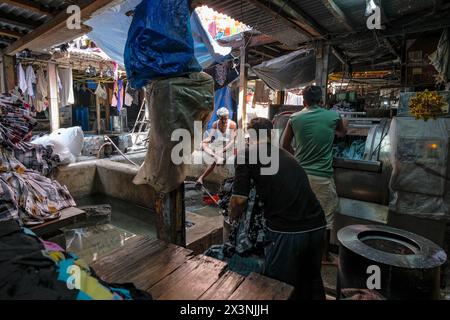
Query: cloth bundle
x=176 y=103
x=36 y=270
x=244 y=250
x=28 y=196
x=25 y=194
x=16 y=127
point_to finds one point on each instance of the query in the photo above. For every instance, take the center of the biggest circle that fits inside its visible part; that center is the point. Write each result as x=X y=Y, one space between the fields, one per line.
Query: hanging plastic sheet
x=420 y=157
x=290 y=71
x=207 y=50
x=111 y=37
x=293 y=70
x=222 y=99
x=110 y=29
x=160 y=42
x=440 y=59
x=176 y=103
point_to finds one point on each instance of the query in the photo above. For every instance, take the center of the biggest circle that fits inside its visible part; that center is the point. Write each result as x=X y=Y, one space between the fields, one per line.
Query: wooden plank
x=190 y=281
x=44 y=36
x=67 y=216
x=146 y=272
x=11 y=33
x=29 y=6
x=124 y=258
x=258 y=287
x=160 y=266
x=224 y=287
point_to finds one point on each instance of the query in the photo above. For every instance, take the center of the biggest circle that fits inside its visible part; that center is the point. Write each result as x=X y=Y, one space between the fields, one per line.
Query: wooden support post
x=243 y=77
x=281 y=97
x=53 y=97
x=322 y=62
x=2 y=76
x=171 y=217
x=8 y=73
x=98 y=114
x=107 y=109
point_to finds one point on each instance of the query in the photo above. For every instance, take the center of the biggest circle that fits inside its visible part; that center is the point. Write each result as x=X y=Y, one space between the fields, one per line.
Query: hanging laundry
x=220 y=74
x=31 y=80
x=293 y=99
x=117 y=100
x=22 y=78
x=101 y=92
x=128 y=97
x=66 y=91
x=41 y=91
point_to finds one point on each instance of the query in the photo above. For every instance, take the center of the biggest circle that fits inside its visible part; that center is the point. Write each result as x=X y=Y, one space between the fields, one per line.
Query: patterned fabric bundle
x=33 y=269
x=16 y=124
x=16 y=127
x=25 y=194
x=244 y=251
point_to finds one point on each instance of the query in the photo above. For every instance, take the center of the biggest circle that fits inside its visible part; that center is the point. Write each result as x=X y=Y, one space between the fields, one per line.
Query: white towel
x=30 y=79
x=66 y=92
x=22 y=79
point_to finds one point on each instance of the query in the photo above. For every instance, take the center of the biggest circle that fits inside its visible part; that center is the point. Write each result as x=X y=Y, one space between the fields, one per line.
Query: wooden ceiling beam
x=306 y=22
x=336 y=11
x=55 y=31
x=11 y=33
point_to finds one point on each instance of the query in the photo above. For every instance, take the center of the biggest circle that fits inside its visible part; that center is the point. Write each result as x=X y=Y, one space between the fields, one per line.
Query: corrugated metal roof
x=319 y=13
x=22 y=20
x=259 y=19
x=361 y=46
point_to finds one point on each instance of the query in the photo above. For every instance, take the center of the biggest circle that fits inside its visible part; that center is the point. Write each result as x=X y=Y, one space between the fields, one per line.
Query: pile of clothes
x=26 y=194
x=33 y=269
x=244 y=251
x=16 y=126
x=353 y=152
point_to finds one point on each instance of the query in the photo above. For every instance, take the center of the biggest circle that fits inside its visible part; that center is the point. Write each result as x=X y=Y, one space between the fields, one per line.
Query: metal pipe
x=121 y=153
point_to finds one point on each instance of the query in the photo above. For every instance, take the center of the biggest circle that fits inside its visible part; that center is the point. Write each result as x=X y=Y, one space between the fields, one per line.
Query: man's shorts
x=325 y=191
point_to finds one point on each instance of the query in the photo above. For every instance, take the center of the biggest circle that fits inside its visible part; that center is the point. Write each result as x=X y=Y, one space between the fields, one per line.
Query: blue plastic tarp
x=222 y=99
x=207 y=51
x=110 y=33
x=160 y=42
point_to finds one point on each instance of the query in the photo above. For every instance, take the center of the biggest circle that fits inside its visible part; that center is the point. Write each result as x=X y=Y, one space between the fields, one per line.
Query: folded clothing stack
x=16 y=128
x=25 y=194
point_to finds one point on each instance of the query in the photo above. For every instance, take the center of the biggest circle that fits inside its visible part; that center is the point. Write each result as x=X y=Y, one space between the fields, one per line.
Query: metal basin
x=408 y=264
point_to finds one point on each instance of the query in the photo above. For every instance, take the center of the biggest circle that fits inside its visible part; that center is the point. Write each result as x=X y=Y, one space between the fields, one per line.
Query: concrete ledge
x=78 y=177
x=115 y=179
x=105 y=177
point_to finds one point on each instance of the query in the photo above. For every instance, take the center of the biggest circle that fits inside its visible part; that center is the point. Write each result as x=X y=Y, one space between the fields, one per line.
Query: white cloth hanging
x=22 y=79
x=41 y=91
x=128 y=99
x=101 y=92
x=293 y=99
x=30 y=79
x=66 y=92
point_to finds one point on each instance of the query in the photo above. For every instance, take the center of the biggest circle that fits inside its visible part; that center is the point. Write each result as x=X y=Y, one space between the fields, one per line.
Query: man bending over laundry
x=294 y=218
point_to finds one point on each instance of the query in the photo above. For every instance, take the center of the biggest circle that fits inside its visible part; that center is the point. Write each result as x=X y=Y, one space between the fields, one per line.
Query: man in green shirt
x=314 y=129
